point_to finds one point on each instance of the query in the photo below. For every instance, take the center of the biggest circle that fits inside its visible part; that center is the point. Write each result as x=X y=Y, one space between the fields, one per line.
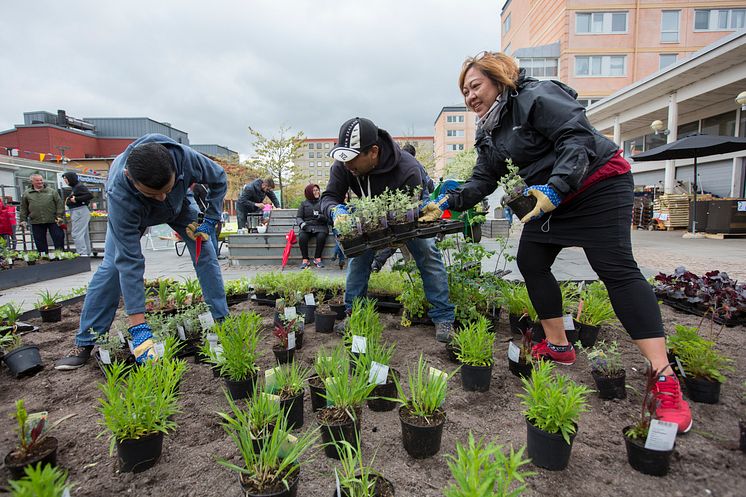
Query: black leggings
x=631 y=295
x=304 y=236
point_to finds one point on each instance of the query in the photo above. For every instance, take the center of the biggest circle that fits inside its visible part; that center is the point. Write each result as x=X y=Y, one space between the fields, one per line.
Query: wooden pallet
x=724 y=236
x=676 y=207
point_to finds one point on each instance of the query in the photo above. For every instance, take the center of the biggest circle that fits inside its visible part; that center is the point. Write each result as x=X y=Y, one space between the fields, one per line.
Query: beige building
x=455 y=131
x=598 y=47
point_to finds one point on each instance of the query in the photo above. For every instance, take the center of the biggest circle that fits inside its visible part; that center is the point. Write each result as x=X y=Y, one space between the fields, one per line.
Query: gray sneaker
x=76 y=358
x=443 y=331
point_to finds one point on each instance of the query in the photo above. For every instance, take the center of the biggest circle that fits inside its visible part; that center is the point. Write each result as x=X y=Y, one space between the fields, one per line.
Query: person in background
x=584 y=194
x=42 y=207
x=312 y=224
x=6 y=228
x=10 y=207
x=252 y=198
x=148 y=185
x=80 y=215
x=508 y=215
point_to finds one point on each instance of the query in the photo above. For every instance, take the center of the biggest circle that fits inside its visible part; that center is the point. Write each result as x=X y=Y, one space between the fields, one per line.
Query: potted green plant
x=703 y=370
x=42 y=480
x=518 y=304
x=31 y=257
x=111 y=349
x=35 y=445
x=412 y=296
x=287 y=335
x=553 y=404
x=10 y=313
x=349 y=236
x=473 y=344
x=520 y=361
x=376 y=361
x=274 y=469
x=594 y=311
x=137 y=408
x=402 y=209
x=288 y=382
x=646 y=460
x=237 y=291
x=326 y=365
x=325 y=317
x=607 y=369
x=49 y=306
x=421 y=413
x=22 y=360
x=483 y=469
x=513 y=186
x=357 y=479
x=364 y=322
x=239 y=337
x=260 y=414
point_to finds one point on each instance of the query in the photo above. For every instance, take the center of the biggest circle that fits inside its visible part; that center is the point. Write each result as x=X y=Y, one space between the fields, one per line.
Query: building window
x=326 y=163
x=687 y=129
x=506 y=24
x=310 y=145
x=310 y=155
x=600 y=65
x=318 y=155
x=318 y=145
x=454 y=132
x=600 y=22
x=326 y=145
x=454 y=119
x=722 y=124
x=454 y=147
x=719 y=19
x=666 y=59
x=670 y=26
x=539 y=67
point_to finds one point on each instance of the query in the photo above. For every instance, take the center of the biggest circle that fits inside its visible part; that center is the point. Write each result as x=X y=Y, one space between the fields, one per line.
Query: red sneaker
x=542 y=351
x=671 y=405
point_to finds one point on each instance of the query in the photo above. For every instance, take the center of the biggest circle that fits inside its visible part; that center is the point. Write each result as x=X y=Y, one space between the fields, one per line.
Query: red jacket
x=6 y=214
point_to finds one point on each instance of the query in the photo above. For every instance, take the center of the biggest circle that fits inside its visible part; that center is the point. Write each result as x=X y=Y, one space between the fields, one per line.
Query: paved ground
x=654 y=251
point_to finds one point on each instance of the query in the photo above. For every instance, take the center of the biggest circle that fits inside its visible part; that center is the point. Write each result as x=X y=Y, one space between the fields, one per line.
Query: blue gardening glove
x=433 y=210
x=142 y=342
x=547 y=199
x=340 y=213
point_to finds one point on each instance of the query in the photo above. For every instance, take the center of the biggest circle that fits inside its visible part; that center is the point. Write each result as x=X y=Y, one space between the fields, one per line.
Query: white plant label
x=218 y=350
x=378 y=373
x=287 y=445
x=205 y=319
x=160 y=349
x=336 y=478
x=270 y=383
x=680 y=366
x=105 y=356
x=291 y=340
x=25 y=257
x=567 y=321
x=359 y=344
x=290 y=313
x=272 y=397
x=51 y=256
x=9 y=261
x=121 y=336
x=661 y=435
x=66 y=492
x=437 y=373
x=514 y=352
x=180 y=331
x=309 y=299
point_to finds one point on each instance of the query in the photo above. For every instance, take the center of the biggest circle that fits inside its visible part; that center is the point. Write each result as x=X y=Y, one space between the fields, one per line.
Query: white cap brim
x=344 y=154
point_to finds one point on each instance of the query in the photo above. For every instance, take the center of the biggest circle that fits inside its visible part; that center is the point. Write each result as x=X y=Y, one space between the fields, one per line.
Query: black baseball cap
x=355 y=135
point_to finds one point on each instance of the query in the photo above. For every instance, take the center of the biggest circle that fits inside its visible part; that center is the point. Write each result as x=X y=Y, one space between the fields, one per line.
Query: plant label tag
x=567 y=321
x=272 y=397
x=309 y=299
x=741 y=206
x=270 y=383
x=290 y=313
x=25 y=257
x=378 y=373
x=661 y=435
x=213 y=339
x=329 y=381
x=291 y=340
x=9 y=261
x=514 y=352
x=180 y=331
x=437 y=373
x=218 y=350
x=66 y=492
x=51 y=256
x=205 y=319
x=287 y=446
x=680 y=366
x=359 y=344
x=160 y=349
x=121 y=336
x=105 y=356
x=336 y=479
x=188 y=326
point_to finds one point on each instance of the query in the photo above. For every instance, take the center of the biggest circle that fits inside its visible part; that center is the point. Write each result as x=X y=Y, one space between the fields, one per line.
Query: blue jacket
x=130 y=212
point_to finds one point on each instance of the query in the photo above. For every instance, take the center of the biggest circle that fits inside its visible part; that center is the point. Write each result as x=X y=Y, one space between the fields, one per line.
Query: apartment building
x=600 y=46
x=455 y=131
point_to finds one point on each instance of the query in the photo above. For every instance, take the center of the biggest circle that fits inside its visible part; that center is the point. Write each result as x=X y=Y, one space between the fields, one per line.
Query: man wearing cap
x=367 y=161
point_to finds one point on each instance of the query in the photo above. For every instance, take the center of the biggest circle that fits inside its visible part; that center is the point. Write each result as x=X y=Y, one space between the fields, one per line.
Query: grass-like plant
x=364 y=321
x=260 y=414
x=355 y=477
x=289 y=379
x=331 y=363
x=10 y=342
x=47 y=300
x=347 y=389
x=378 y=351
x=239 y=337
x=605 y=358
x=427 y=391
x=594 y=307
x=483 y=469
x=42 y=480
x=553 y=402
x=10 y=313
x=474 y=342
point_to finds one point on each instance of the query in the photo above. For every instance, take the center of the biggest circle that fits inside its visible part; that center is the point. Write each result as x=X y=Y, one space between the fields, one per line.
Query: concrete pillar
x=617 y=131
x=673 y=123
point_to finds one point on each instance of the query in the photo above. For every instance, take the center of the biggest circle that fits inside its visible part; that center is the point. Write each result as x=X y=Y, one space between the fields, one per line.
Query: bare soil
x=706 y=461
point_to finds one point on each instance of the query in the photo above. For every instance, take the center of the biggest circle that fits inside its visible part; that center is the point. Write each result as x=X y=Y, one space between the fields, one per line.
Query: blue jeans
x=102 y=297
x=434 y=278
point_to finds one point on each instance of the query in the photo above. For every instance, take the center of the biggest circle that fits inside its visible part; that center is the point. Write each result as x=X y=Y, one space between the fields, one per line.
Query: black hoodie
x=395 y=170
x=82 y=195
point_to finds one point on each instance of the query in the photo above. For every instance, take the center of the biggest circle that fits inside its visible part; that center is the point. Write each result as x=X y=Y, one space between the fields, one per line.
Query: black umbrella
x=692 y=147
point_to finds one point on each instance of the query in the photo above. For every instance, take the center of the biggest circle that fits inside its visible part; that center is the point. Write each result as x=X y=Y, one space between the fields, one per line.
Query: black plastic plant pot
x=353 y=246
x=45 y=453
x=610 y=387
x=522 y=205
x=309 y=313
x=317 y=392
x=519 y=324
x=299 y=339
x=400 y=229
x=572 y=335
x=325 y=321
x=241 y=389
x=428 y=230
x=476 y=378
x=282 y=491
x=283 y=355
x=547 y=450
x=293 y=408
x=674 y=364
x=702 y=390
x=742 y=429
x=24 y=361
x=421 y=439
x=51 y=315
x=646 y=461
x=334 y=433
x=450 y=227
x=451 y=351
x=237 y=298
x=383 y=488
x=385 y=240
x=588 y=335
x=387 y=390
x=340 y=309
x=520 y=369
x=261 y=294
x=537 y=332
x=139 y=454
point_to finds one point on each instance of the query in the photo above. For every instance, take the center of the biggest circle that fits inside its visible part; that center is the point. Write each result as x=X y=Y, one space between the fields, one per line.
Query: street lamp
x=741 y=100
x=659 y=127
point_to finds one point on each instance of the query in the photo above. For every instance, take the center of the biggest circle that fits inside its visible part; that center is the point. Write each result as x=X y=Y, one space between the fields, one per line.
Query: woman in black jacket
x=312 y=223
x=583 y=187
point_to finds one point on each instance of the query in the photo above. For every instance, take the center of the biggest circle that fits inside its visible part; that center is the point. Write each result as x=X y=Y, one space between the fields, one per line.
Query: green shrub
x=40 y=481
x=474 y=343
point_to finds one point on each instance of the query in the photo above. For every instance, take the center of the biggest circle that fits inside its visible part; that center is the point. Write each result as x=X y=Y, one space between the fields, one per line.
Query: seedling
x=474 y=343
x=427 y=389
x=32 y=429
x=42 y=480
x=47 y=300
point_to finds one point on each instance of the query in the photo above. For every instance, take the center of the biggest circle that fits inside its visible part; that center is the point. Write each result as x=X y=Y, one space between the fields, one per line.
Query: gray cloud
x=214 y=68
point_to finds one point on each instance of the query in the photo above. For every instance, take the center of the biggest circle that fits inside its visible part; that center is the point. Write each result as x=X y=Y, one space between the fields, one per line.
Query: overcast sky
x=213 y=68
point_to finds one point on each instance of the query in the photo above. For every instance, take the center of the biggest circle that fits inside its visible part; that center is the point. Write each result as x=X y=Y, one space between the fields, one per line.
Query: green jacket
x=41 y=207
